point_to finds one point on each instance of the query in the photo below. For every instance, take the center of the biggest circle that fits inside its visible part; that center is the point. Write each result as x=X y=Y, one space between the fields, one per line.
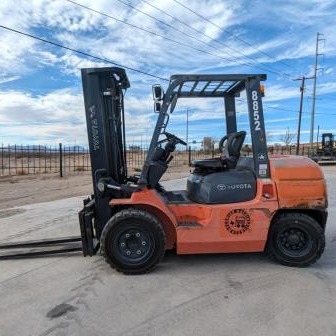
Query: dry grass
x=21 y=172
x=79 y=169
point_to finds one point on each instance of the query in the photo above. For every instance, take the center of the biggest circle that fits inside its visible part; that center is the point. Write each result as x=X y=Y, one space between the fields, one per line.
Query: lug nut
x=127 y=235
x=122 y=244
x=139 y=252
x=143 y=243
x=128 y=252
x=137 y=234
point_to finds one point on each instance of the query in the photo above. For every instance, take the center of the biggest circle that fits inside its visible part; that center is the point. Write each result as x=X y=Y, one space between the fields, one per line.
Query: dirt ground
x=29 y=189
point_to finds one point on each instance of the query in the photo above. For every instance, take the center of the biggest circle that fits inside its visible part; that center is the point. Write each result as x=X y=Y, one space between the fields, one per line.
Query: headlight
x=101 y=186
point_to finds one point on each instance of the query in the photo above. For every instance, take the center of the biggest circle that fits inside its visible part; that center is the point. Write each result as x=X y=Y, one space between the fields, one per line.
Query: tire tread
x=296 y=216
x=138 y=214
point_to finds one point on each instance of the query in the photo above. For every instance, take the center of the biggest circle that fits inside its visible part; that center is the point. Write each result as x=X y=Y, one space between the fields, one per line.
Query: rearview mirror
x=158 y=92
x=157 y=107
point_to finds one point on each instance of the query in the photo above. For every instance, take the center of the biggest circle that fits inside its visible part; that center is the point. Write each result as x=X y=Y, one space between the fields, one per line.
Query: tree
x=287 y=138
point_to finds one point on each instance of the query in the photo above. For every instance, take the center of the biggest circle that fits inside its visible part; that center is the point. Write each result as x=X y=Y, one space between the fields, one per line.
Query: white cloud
x=59 y=116
x=325 y=88
x=5 y=79
x=329 y=70
x=285 y=30
x=279 y=92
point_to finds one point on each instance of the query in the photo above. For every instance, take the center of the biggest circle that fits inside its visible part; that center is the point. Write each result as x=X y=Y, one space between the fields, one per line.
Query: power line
x=82 y=53
x=294 y=111
x=285 y=109
x=198 y=31
x=162 y=22
x=194 y=38
x=167 y=38
x=147 y=31
x=233 y=35
x=304 y=112
x=123 y=66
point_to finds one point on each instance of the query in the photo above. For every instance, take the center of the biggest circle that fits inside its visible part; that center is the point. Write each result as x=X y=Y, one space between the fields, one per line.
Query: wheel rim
x=133 y=246
x=294 y=242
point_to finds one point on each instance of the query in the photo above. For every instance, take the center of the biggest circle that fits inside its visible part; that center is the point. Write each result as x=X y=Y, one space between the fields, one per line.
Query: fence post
x=15 y=160
x=2 y=159
x=189 y=156
x=9 y=160
x=60 y=159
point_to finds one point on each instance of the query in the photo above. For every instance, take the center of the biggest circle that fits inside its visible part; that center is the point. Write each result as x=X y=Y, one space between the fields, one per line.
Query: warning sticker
x=237 y=221
x=263 y=169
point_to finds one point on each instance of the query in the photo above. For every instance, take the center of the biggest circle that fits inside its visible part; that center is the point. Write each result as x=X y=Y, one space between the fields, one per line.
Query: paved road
x=187 y=295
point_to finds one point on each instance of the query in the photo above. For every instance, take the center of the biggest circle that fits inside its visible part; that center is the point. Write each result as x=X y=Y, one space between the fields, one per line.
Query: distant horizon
x=142 y=146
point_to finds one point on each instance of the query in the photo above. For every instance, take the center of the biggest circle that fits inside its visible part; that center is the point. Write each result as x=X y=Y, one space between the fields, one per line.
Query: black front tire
x=133 y=241
x=295 y=240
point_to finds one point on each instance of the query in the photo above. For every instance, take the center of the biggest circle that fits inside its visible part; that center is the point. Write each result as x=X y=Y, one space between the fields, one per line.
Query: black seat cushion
x=208 y=163
x=229 y=158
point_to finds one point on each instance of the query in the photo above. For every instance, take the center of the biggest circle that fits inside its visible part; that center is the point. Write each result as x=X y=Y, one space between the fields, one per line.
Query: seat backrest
x=232 y=148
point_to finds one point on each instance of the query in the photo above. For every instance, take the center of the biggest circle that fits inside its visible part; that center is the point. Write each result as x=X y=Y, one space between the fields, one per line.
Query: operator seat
x=227 y=160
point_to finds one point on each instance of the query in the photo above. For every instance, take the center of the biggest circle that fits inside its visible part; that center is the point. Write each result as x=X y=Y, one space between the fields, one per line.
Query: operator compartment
x=231 y=186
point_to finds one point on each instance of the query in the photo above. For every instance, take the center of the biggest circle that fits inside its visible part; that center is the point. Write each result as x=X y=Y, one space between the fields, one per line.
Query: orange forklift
x=275 y=204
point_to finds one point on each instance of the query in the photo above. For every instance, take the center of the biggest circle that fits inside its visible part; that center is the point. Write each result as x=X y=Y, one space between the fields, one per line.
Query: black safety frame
x=223 y=86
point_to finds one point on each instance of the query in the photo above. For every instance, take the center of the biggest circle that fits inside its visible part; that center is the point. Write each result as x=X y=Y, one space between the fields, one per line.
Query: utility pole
x=302 y=88
x=318 y=39
x=300 y=115
x=187 y=126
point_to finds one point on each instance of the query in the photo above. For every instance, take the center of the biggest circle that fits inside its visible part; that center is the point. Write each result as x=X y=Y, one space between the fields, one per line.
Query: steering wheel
x=174 y=138
x=222 y=143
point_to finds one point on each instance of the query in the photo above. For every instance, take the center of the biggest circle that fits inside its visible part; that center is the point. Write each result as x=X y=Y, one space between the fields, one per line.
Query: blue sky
x=40 y=87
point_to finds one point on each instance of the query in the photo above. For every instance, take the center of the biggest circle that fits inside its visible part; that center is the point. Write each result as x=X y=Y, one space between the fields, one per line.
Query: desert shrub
x=21 y=172
x=79 y=168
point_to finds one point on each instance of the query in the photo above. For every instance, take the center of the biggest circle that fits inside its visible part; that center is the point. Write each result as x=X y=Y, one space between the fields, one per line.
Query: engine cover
x=232 y=186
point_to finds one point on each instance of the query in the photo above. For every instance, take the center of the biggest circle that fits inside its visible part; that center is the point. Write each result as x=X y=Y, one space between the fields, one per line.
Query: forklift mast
x=103 y=90
x=104 y=109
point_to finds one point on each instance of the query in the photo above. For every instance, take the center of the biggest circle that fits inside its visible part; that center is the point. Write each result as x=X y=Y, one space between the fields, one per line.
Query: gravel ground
x=16 y=191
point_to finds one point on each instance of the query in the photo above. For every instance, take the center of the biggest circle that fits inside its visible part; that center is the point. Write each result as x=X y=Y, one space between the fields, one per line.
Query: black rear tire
x=295 y=240
x=133 y=241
